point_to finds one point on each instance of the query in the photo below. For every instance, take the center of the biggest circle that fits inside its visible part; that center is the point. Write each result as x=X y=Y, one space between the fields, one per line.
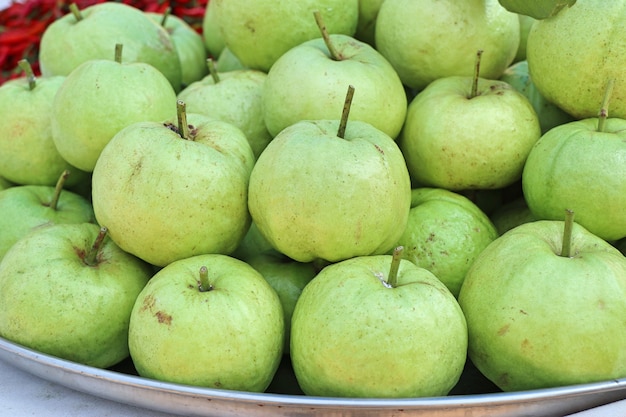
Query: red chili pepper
x=196 y=12
x=4 y=53
x=20 y=33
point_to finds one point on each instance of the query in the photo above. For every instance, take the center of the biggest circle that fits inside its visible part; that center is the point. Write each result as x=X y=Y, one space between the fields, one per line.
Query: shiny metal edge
x=187 y=400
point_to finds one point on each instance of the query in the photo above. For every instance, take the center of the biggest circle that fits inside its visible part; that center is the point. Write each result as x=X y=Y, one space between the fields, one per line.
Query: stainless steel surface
x=195 y=401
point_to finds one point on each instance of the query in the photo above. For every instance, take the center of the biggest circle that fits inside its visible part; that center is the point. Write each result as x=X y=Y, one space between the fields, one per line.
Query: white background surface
x=22 y=394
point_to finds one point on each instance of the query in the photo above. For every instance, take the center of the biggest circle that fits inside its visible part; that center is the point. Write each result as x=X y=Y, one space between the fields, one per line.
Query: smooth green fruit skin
x=429 y=39
x=537 y=9
x=366 y=27
x=25 y=208
x=28 y=155
x=258 y=32
x=572 y=57
x=189 y=45
x=577 y=168
x=511 y=214
x=445 y=234
x=287 y=277
x=538 y=320
x=165 y=198
x=307 y=84
x=54 y=303
x=525 y=23
x=316 y=196
x=352 y=336
x=213 y=41
x=456 y=143
x=120 y=95
x=230 y=337
x=237 y=99
x=227 y=61
x=67 y=43
x=548 y=113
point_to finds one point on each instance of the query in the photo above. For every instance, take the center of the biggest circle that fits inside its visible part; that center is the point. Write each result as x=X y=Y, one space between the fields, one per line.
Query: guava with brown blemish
x=208 y=320
x=445 y=233
x=468 y=133
x=67 y=290
x=545 y=307
x=183 y=190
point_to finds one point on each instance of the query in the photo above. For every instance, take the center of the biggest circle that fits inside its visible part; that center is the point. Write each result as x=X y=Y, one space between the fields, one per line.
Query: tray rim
x=72 y=375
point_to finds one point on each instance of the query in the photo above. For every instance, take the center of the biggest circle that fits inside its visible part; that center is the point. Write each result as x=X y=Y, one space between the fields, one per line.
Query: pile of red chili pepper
x=24 y=21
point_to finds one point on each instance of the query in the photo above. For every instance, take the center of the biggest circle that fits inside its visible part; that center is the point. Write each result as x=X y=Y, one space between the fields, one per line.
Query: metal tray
x=474 y=396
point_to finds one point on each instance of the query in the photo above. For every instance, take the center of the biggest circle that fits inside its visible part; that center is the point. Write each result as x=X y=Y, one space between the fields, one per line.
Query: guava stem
x=213 y=70
x=203 y=282
x=604 y=109
x=334 y=54
x=118 y=52
x=566 y=249
x=30 y=75
x=395 y=266
x=183 y=127
x=343 y=122
x=474 y=90
x=76 y=12
x=58 y=189
x=91 y=258
x=166 y=15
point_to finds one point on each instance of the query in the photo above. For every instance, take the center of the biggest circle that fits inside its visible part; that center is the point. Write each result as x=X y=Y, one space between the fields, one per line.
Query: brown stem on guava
x=58 y=189
x=91 y=258
x=118 y=52
x=166 y=15
x=203 y=281
x=474 y=90
x=334 y=54
x=603 y=114
x=30 y=75
x=76 y=12
x=341 y=132
x=213 y=70
x=566 y=249
x=392 y=280
x=181 y=112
